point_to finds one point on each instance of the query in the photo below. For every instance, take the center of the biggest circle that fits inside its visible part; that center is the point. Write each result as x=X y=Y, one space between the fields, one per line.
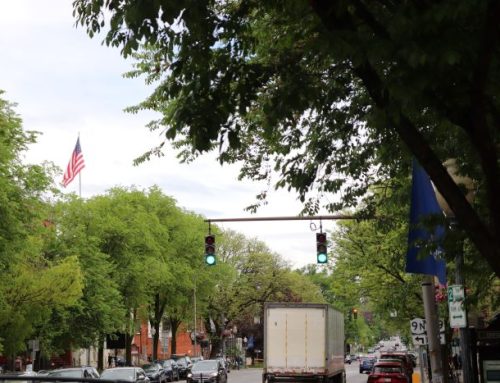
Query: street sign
x=456 y=297
x=417 y=326
x=419 y=340
x=419 y=333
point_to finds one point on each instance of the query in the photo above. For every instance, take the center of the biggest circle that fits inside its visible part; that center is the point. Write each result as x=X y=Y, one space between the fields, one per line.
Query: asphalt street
x=254 y=375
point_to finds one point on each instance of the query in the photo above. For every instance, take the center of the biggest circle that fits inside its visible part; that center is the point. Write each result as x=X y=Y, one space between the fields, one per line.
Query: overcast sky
x=67 y=84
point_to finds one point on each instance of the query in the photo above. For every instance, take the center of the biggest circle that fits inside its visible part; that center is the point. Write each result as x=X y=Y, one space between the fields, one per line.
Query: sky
x=66 y=84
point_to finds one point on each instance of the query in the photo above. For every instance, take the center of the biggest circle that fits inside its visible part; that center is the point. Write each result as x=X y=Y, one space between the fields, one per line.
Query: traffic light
x=210 y=250
x=355 y=313
x=321 y=255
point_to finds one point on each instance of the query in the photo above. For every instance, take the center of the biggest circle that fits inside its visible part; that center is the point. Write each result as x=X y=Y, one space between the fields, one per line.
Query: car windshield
x=400 y=357
x=205 y=365
x=150 y=367
x=118 y=374
x=67 y=373
x=167 y=363
x=182 y=362
x=386 y=369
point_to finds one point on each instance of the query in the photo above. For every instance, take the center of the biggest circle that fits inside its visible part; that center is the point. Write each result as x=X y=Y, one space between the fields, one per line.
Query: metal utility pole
x=432 y=328
x=194 y=339
x=466 y=357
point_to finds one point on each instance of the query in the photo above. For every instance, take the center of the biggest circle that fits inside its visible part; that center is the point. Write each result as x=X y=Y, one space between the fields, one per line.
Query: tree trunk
x=128 y=349
x=100 y=356
x=158 y=310
x=215 y=339
x=174 y=326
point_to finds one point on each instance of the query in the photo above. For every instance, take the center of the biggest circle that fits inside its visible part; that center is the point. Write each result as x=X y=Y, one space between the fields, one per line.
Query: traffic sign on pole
x=419 y=332
x=456 y=296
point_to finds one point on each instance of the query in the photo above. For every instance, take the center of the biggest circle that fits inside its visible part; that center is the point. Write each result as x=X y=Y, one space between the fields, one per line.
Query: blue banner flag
x=423 y=204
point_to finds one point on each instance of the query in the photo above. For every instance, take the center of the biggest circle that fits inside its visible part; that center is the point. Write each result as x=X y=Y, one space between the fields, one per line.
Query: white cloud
x=66 y=83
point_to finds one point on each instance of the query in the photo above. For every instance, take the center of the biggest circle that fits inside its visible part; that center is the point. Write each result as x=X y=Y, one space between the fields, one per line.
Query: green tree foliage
x=100 y=310
x=367 y=266
x=131 y=230
x=250 y=275
x=332 y=95
x=31 y=284
x=175 y=293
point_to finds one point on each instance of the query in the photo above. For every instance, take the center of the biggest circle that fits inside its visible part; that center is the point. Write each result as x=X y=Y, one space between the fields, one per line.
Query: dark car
x=207 y=371
x=75 y=372
x=184 y=365
x=366 y=365
x=225 y=363
x=155 y=373
x=170 y=369
x=129 y=374
x=393 y=372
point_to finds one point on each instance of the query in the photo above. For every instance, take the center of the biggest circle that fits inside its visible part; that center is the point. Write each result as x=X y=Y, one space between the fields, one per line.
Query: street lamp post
x=194 y=304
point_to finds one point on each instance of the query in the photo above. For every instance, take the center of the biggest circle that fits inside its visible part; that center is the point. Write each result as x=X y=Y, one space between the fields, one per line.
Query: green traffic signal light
x=210 y=259
x=210 y=250
x=322 y=258
x=321 y=249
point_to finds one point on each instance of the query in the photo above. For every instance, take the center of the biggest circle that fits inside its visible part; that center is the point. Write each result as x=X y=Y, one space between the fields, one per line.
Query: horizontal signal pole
x=284 y=218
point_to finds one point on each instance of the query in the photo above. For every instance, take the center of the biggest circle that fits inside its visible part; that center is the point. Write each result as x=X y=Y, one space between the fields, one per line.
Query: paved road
x=353 y=375
x=254 y=375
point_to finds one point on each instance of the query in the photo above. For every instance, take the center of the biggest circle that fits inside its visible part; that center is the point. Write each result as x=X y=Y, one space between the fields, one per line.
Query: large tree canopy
x=332 y=95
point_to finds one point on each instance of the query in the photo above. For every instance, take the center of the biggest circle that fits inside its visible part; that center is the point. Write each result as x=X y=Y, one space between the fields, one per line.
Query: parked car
x=18 y=374
x=129 y=374
x=348 y=359
x=75 y=372
x=184 y=365
x=207 y=371
x=366 y=365
x=170 y=369
x=155 y=372
x=195 y=359
x=392 y=372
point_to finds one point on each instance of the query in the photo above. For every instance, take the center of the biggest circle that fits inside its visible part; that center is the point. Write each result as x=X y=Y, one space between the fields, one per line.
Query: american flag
x=75 y=164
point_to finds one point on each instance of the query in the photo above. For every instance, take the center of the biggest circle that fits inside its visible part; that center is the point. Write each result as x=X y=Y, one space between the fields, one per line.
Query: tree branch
x=477 y=127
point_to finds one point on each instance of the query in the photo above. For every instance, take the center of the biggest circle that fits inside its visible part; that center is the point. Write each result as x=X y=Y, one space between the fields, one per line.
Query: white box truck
x=303 y=341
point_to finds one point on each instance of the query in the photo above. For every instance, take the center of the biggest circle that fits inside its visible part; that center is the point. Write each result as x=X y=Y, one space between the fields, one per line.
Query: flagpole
x=79 y=177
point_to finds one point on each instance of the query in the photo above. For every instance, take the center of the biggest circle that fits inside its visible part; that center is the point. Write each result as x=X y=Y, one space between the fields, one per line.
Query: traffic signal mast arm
x=321 y=242
x=290 y=218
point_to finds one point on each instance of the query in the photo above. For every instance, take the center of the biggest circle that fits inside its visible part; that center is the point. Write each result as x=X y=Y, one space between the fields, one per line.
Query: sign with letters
x=456 y=297
x=419 y=333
